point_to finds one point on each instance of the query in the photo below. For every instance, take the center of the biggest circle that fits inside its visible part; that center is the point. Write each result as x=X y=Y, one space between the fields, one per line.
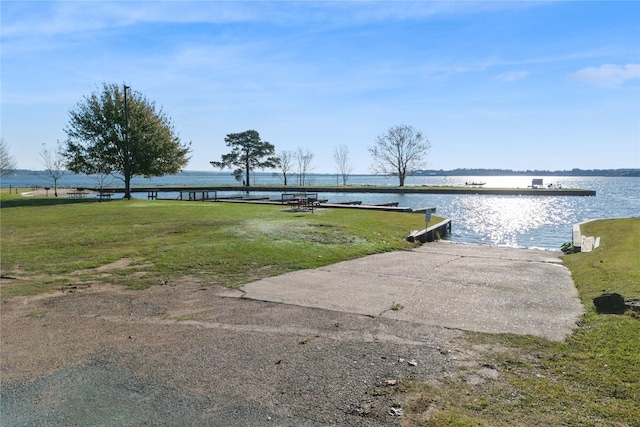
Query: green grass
x=47 y=243
x=591 y=379
x=614 y=266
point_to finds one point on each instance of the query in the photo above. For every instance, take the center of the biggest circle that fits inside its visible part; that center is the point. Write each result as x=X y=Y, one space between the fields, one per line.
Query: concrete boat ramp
x=468 y=287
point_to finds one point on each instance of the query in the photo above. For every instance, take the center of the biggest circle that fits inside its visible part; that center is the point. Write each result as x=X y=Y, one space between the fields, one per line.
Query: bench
x=78 y=193
x=105 y=195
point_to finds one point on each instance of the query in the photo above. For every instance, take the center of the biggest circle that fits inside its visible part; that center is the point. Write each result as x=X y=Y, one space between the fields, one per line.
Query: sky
x=501 y=85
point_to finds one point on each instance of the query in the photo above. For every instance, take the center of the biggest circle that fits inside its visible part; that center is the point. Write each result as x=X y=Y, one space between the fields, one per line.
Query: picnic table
x=203 y=195
x=301 y=201
x=78 y=193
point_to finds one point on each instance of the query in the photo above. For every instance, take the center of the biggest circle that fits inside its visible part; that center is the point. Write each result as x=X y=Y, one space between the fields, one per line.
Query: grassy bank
x=48 y=242
x=592 y=379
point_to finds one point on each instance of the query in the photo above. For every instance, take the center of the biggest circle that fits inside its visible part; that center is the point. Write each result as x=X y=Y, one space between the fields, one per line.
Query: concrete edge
x=429 y=234
x=578 y=239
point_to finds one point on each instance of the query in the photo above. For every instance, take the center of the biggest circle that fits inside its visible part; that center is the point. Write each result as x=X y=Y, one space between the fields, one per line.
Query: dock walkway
x=371 y=189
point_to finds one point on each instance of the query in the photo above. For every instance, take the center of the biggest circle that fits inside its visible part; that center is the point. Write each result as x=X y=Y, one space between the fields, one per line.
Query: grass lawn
x=48 y=242
x=592 y=379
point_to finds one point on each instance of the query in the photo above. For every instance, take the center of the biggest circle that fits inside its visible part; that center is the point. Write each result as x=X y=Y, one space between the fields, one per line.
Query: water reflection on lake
x=507 y=221
x=501 y=220
x=519 y=221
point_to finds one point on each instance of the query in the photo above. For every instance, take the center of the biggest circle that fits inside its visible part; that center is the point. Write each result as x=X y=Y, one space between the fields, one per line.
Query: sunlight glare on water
x=506 y=221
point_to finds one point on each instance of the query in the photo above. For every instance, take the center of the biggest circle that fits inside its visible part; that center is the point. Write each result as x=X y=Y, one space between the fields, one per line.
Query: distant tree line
x=510 y=172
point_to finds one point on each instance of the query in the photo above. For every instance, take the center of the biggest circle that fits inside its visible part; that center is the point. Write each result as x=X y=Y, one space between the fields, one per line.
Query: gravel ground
x=181 y=355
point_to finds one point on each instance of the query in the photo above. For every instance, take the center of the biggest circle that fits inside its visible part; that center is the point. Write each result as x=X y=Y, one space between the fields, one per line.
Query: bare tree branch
x=343 y=165
x=399 y=151
x=54 y=163
x=7 y=161
x=304 y=164
x=286 y=164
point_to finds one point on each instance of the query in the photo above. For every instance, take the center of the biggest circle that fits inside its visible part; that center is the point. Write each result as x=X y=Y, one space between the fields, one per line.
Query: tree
x=343 y=165
x=286 y=164
x=7 y=161
x=303 y=159
x=248 y=153
x=53 y=162
x=399 y=151
x=121 y=132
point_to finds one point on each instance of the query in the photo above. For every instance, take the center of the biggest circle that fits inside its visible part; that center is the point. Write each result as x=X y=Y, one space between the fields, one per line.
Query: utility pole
x=127 y=154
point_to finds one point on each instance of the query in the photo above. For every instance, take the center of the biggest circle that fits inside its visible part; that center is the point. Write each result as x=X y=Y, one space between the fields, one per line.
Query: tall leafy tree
x=120 y=132
x=399 y=151
x=248 y=152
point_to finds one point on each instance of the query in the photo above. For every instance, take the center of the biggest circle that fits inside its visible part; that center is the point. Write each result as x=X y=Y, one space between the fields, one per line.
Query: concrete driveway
x=468 y=287
x=180 y=355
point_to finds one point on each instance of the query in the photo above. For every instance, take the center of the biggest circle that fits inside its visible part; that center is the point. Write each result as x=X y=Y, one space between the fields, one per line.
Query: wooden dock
x=367 y=207
x=324 y=204
x=373 y=189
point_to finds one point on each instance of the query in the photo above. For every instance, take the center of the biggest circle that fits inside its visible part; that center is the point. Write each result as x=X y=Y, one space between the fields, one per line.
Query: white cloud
x=608 y=75
x=512 y=76
x=51 y=18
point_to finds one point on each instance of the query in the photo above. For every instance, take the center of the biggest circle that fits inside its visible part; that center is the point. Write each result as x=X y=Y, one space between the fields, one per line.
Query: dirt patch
x=62 y=191
x=180 y=354
x=117 y=265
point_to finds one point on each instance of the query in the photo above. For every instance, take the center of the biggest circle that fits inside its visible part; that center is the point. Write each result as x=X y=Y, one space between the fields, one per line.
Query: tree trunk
x=127 y=149
x=127 y=186
x=247 y=172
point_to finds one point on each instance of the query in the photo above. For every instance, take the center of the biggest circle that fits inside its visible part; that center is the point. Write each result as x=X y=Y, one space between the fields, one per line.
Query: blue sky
x=514 y=85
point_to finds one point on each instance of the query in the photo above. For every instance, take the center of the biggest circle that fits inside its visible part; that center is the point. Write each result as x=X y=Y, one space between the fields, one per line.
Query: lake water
x=515 y=221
